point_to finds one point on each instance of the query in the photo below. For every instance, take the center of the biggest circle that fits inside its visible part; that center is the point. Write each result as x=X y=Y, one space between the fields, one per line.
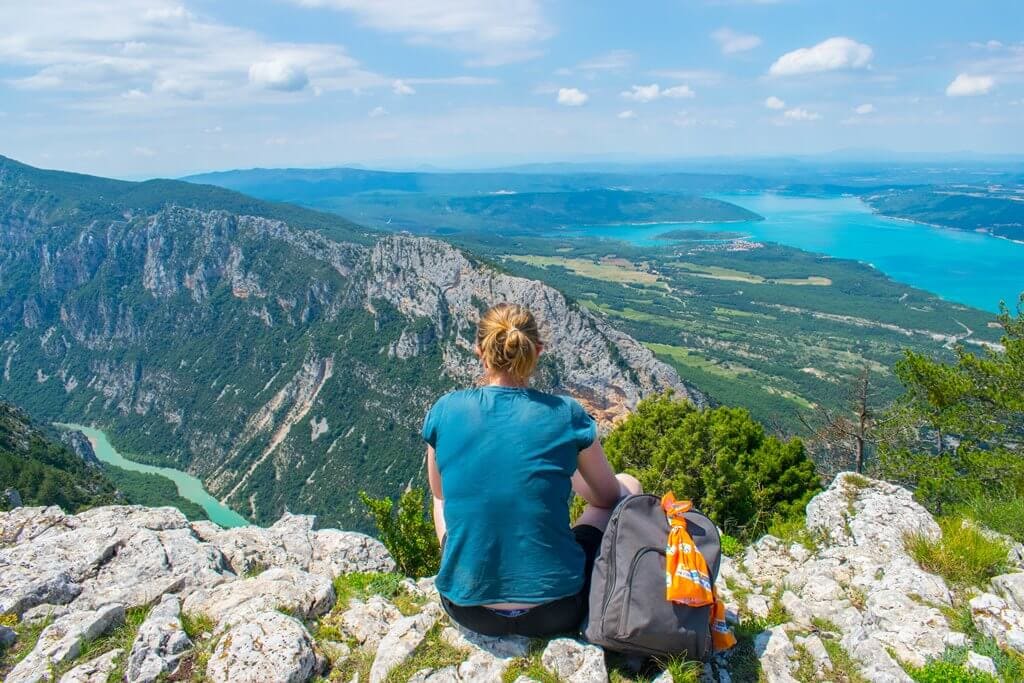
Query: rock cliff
x=284 y=358
x=140 y=594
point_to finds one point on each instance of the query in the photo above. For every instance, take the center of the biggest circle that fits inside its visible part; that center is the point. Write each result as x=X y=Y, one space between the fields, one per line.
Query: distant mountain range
x=284 y=356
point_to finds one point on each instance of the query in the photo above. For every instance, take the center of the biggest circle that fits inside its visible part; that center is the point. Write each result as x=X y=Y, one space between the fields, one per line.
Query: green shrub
x=720 y=458
x=1005 y=515
x=963 y=555
x=731 y=546
x=407 y=532
x=941 y=671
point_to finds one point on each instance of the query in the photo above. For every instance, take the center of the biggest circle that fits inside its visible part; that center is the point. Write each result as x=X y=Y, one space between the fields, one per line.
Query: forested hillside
x=244 y=342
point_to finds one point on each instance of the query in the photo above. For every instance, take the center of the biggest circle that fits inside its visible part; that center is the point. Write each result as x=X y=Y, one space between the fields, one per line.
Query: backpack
x=628 y=609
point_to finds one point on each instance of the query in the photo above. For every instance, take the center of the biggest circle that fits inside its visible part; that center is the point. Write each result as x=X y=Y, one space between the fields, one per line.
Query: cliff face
x=283 y=604
x=282 y=367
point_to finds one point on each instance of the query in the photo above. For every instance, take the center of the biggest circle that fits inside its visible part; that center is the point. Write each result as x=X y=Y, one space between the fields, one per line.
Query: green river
x=188 y=486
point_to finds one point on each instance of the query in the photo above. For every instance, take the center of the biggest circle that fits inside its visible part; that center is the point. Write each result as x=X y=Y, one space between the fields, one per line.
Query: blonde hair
x=509 y=341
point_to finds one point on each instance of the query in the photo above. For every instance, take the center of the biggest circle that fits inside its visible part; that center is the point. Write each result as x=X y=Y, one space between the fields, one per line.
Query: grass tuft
x=963 y=555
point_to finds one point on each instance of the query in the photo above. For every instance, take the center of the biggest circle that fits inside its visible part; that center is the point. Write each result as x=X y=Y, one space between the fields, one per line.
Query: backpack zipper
x=624 y=618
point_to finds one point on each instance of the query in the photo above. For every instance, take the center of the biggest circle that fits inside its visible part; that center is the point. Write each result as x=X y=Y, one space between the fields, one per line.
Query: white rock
x=575 y=662
x=62 y=640
x=981 y=663
x=369 y=621
x=159 y=643
x=816 y=649
x=798 y=612
x=995 y=618
x=25 y=523
x=776 y=654
x=401 y=640
x=300 y=593
x=487 y=657
x=758 y=605
x=269 y=647
x=1011 y=588
x=96 y=670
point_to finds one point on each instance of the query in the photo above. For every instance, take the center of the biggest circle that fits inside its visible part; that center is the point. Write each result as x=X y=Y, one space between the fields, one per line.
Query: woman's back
x=506 y=456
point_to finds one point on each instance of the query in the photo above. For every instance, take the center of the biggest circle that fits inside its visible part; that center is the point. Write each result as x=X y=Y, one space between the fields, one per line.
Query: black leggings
x=552 y=618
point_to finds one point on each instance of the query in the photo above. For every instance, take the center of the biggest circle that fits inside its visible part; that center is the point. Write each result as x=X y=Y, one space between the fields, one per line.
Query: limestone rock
x=488 y=656
x=96 y=670
x=269 y=647
x=575 y=662
x=25 y=523
x=981 y=663
x=776 y=654
x=159 y=643
x=1011 y=588
x=368 y=622
x=62 y=640
x=295 y=591
x=995 y=618
x=401 y=640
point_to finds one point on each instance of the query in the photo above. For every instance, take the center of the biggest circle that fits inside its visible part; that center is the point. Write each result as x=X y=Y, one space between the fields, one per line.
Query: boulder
x=23 y=524
x=777 y=655
x=368 y=622
x=96 y=670
x=1011 y=588
x=981 y=663
x=269 y=647
x=400 y=641
x=575 y=662
x=61 y=641
x=488 y=657
x=300 y=593
x=997 y=619
x=159 y=643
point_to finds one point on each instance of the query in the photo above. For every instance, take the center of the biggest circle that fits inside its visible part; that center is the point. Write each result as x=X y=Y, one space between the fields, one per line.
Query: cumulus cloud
x=377 y=112
x=278 y=74
x=627 y=114
x=572 y=97
x=730 y=42
x=774 y=102
x=155 y=53
x=801 y=114
x=649 y=93
x=400 y=87
x=834 y=54
x=966 y=85
x=492 y=31
x=866 y=108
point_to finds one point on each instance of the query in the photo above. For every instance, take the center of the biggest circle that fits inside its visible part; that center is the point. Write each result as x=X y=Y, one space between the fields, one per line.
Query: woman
x=502 y=460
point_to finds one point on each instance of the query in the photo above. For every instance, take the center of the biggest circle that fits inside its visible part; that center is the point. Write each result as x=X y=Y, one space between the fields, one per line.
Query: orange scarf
x=687 y=579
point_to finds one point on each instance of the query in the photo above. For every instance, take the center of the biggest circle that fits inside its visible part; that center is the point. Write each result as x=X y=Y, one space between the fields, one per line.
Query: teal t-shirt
x=506 y=457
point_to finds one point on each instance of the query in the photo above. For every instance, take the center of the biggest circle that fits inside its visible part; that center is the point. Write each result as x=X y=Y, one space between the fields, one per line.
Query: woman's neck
x=502 y=379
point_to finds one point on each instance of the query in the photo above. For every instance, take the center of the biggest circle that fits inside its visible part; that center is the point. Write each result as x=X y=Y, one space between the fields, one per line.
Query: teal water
x=188 y=486
x=966 y=267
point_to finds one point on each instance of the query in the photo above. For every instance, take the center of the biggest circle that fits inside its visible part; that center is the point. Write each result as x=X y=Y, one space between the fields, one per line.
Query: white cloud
x=801 y=114
x=642 y=93
x=377 y=112
x=730 y=42
x=627 y=114
x=155 y=53
x=572 y=97
x=400 y=87
x=829 y=55
x=774 y=102
x=143 y=152
x=649 y=93
x=965 y=85
x=492 y=31
x=278 y=74
x=866 y=108
x=616 y=60
x=693 y=75
x=678 y=92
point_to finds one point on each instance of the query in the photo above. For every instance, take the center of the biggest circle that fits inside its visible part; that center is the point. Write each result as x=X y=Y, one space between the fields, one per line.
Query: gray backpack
x=628 y=609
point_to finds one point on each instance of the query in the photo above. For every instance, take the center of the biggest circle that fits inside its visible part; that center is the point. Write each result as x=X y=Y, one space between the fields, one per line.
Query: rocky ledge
x=140 y=594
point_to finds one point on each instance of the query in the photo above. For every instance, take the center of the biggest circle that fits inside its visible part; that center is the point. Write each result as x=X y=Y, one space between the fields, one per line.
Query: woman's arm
x=434 y=476
x=594 y=480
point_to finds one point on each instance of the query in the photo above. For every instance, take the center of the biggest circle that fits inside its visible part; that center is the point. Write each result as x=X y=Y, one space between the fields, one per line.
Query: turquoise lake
x=188 y=486
x=966 y=267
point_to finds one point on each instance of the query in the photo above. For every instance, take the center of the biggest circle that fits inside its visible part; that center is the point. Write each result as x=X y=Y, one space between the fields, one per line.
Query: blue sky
x=141 y=88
